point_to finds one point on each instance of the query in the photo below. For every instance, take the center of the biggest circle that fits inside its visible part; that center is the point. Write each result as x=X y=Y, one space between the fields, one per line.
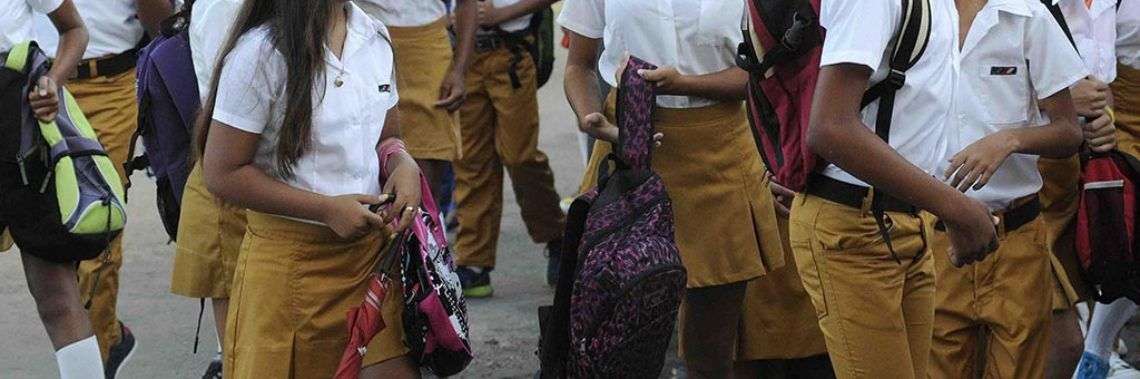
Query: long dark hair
x=297 y=29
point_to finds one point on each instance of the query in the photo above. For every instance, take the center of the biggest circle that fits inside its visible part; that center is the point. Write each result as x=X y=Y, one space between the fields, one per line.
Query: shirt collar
x=361 y=29
x=1014 y=7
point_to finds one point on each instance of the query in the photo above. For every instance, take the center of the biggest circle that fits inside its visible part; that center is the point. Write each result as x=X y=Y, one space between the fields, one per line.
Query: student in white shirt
x=1015 y=63
x=210 y=231
x=499 y=132
x=431 y=76
x=1108 y=319
x=105 y=90
x=876 y=299
x=306 y=140
x=726 y=228
x=52 y=285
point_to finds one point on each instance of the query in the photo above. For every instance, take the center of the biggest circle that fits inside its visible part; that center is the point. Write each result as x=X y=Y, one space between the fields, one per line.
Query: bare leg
x=433 y=170
x=395 y=368
x=1066 y=347
x=55 y=288
x=221 y=307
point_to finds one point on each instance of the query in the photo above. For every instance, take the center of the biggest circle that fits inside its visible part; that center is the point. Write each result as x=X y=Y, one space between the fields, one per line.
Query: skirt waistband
x=277 y=226
x=433 y=29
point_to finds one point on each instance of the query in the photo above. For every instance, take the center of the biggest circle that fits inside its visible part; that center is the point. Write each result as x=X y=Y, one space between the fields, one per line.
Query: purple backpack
x=168 y=104
x=617 y=298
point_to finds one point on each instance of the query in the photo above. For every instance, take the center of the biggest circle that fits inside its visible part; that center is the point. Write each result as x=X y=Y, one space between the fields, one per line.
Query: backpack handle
x=636 y=101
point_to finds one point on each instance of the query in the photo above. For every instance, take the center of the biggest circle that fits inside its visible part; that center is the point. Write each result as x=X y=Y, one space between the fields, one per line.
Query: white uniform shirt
x=113 y=27
x=347 y=120
x=512 y=25
x=859 y=32
x=1094 y=31
x=1128 y=34
x=405 y=13
x=697 y=37
x=1015 y=54
x=210 y=23
x=16 y=20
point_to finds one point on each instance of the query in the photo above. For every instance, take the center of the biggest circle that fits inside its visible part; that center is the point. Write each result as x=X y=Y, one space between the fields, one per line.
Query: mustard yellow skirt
x=294 y=285
x=779 y=321
x=210 y=235
x=423 y=59
x=724 y=214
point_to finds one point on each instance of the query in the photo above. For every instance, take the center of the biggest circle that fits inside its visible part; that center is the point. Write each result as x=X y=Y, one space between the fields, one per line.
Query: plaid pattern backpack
x=621 y=277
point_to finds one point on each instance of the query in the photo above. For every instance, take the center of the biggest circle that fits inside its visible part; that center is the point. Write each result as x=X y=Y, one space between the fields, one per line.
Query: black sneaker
x=553 y=262
x=215 y=369
x=475 y=285
x=120 y=353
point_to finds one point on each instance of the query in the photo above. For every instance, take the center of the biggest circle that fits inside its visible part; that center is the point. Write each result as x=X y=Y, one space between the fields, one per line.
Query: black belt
x=1013 y=218
x=109 y=66
x=853 y=195
x=488 y=42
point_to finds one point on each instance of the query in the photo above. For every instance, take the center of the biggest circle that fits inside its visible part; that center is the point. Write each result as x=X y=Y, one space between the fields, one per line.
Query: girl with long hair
x=300 y=129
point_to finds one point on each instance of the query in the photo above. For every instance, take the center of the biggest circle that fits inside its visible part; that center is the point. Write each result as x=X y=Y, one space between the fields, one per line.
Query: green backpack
x=88 y=188
x=537 y=40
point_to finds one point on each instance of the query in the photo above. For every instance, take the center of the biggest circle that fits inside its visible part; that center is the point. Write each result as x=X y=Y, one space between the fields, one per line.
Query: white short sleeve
x=45 y=6
x=858 y=31
x=1053 y=62
x=585 y=17
x=251 y=80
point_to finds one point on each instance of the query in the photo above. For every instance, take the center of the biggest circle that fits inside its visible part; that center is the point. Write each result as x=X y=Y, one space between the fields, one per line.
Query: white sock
x=1107 y=320
x=80 y=360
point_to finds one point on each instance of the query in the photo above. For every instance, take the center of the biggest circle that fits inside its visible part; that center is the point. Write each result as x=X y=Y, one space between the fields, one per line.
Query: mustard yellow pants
x=111 y=107
x=1059 y=195
x=1002 y=303
x=293 y=287
x=499 y=130
x=210 y=236
x=876 y=313
x=423 y=60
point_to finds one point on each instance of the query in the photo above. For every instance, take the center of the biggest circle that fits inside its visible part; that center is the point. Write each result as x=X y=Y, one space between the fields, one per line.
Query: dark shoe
x=553 y=262
x=475 y=285
x=215 y=369
x=120 y=353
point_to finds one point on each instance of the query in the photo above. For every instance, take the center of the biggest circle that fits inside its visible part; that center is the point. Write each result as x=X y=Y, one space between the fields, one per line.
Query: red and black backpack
x=781 y=51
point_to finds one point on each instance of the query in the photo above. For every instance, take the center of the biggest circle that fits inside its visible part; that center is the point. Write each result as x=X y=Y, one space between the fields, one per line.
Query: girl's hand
x=487 y=15
x=974 y=165
x=668 y=80
x=349 y=217
x=597 y=126
x=404 y=183
x=1100 y=133
x=1090 y=96
x=782 y=196
x=44 y=99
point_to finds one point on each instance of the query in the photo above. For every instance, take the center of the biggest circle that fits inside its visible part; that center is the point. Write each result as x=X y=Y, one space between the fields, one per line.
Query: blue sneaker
x=1092 y=367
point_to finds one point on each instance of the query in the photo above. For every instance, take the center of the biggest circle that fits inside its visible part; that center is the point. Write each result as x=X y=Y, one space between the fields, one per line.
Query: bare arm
x=837 y=133
x=453 y=90
x=728 y=85
x=516 y=10
x=152 y=13
x=581 y=85
x=975 y=165
x=402 y=173
x=72 y=41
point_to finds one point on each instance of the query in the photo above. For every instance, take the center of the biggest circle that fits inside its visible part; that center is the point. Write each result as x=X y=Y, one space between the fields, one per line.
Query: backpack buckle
x=896 y=79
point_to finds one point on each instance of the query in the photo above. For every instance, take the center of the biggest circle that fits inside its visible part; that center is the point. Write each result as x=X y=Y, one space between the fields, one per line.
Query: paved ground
x=504 y=328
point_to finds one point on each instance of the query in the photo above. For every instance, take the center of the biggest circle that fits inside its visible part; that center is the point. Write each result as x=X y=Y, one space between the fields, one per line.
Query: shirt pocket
x=1005 y=91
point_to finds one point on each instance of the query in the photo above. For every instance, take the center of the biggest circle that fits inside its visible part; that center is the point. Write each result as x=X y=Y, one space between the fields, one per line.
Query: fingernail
x=641 y=72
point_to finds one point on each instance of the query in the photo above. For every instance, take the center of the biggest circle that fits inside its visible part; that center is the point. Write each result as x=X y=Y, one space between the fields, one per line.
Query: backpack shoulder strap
x=908 y=46
x=1055 y=10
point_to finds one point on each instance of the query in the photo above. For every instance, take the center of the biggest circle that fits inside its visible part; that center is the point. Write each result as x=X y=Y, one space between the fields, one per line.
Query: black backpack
x=541 y=50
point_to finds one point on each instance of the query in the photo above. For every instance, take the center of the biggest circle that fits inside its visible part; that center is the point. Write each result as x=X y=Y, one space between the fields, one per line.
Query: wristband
x=387 y=149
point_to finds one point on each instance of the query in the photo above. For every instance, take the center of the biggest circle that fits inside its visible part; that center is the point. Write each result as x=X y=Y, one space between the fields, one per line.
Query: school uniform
x=423 y=55
x=499 y=130
x=295 y=279
x=105 y=91
x=725 y=216
x=1094 y=31
x=1014 y=55
x=210 y=231
x=874 y=300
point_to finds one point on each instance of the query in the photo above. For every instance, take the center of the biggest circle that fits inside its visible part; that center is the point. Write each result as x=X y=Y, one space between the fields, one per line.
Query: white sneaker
x=1119 y=369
